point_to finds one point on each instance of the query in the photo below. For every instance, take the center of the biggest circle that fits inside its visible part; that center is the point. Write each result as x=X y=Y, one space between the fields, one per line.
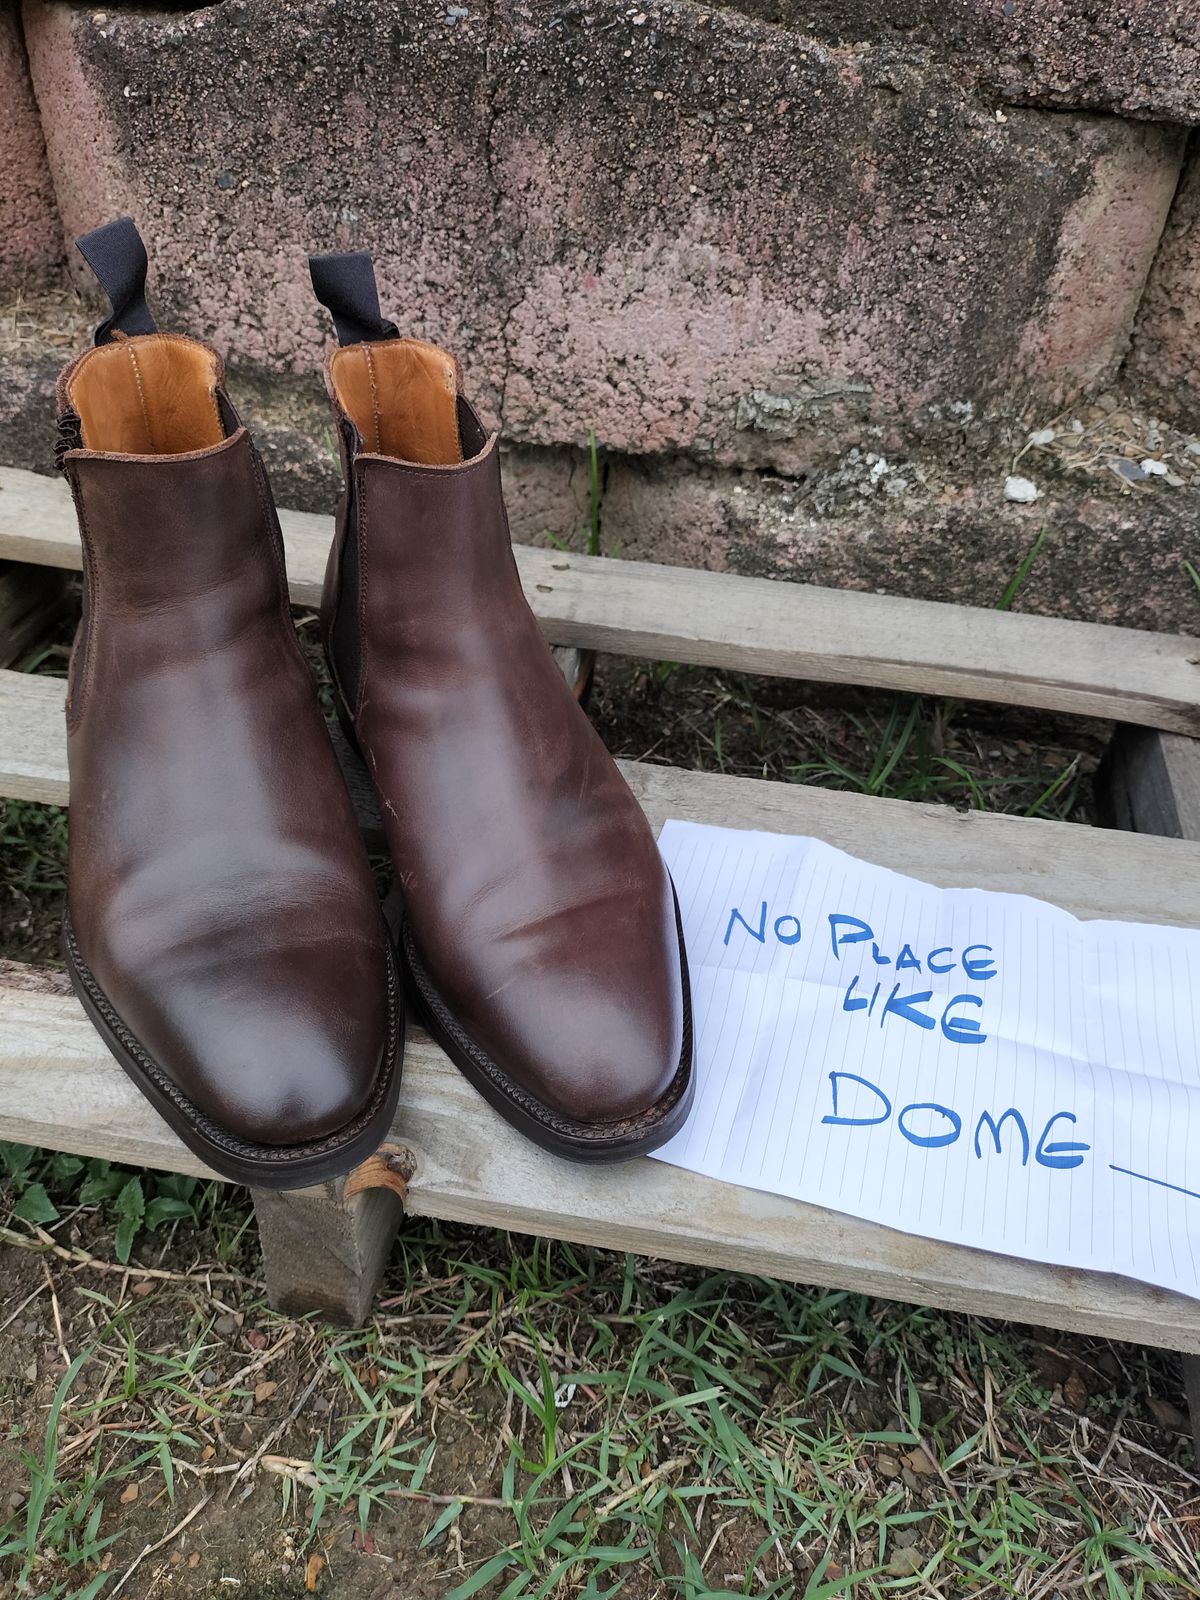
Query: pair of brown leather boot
x=222 y=927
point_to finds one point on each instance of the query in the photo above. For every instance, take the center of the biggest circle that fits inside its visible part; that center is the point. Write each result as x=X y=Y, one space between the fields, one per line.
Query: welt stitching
x=374 y=398
x=360 y=534
x=137 y=378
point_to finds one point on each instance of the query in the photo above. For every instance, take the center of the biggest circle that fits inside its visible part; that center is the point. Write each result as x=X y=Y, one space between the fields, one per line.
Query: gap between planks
x=761 y=625
x=1092 y=872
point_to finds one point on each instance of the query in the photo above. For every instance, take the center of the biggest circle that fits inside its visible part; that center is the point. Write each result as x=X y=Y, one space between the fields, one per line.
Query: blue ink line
x=1161 y=1182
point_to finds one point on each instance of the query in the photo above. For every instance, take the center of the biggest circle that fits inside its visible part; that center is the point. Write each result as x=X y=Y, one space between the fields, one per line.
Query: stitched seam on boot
x=137 y=378
x=360 y=534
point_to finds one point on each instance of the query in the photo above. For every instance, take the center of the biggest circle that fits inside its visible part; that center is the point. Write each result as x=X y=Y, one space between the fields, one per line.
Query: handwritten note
x=974 y=1067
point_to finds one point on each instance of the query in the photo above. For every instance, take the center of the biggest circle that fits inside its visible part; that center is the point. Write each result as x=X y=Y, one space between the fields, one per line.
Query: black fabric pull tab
x=345 y=286
x=117 y=256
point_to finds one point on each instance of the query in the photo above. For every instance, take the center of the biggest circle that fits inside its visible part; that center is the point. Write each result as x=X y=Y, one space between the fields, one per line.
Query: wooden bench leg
x=1191 y=1379
x=323 y=1252
x=1152 y=785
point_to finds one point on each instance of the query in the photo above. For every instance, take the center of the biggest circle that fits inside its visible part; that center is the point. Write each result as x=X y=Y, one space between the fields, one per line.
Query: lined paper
x=975 y=1067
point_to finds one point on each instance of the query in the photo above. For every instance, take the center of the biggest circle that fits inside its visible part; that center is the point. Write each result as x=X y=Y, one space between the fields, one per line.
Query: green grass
x=590 y=533
x=1024 y=567
x=527 y=1419
x=903 y=759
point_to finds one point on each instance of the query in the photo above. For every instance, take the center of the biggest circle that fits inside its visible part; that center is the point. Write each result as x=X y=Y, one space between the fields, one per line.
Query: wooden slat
x=33 y=738
x=1090 y=871
x=756 y=625
x=59 y=1088
x=1153 y=782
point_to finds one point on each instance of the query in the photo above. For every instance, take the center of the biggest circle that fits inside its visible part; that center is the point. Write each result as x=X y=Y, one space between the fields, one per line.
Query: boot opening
x=402 y=396
x=153 y=395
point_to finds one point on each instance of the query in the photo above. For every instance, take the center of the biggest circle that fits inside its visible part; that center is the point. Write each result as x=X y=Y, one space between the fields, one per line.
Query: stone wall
x=757 y=248
x=31 y=236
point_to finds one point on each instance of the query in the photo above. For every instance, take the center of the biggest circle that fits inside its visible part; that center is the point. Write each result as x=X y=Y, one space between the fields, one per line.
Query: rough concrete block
x=686 y=228
x=1165 y=358
x=31 y=241
x=914 y=529
x=1140 y=58
x=754 y=247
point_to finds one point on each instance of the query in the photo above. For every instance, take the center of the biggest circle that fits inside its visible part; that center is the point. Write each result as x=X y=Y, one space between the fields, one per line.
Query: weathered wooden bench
x=452 y=1157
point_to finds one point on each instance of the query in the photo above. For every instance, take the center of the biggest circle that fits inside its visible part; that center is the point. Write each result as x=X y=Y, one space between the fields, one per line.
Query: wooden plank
x=1090 y=871
x=33 y=738
x=1191 y=1388
x=756 y=625
x=60 y=1088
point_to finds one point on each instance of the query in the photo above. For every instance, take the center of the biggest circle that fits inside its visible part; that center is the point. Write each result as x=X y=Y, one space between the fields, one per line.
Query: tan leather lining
x=151 y=395
x=401 y=396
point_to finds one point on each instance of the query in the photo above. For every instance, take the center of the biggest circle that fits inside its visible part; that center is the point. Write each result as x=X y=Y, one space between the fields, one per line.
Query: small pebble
x=1043 y=436
x=1152 y=468
x=225 y=1325
x=1021 y=490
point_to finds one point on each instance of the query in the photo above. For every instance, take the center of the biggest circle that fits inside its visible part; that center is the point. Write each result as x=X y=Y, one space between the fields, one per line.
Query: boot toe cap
x=589 y=1051
x=275 y=1052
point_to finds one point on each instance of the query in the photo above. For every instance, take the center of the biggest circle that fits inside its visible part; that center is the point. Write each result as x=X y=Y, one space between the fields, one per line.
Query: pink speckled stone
x=689 y=229
x=1139 y=58
x=1166 y=348
x=31 y=242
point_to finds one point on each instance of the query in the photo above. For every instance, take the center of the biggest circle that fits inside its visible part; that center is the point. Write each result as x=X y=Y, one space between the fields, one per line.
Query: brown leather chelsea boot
x=538 y=925
x=222 y=928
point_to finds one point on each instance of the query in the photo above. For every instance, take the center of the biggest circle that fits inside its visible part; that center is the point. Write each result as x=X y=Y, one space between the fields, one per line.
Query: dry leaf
x=264 y=1391
x=1075 y=1392
x=917 y=1461
x=312 y=1573
x=207 y=1453
x=129 y=1494
x=1165 y=1414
